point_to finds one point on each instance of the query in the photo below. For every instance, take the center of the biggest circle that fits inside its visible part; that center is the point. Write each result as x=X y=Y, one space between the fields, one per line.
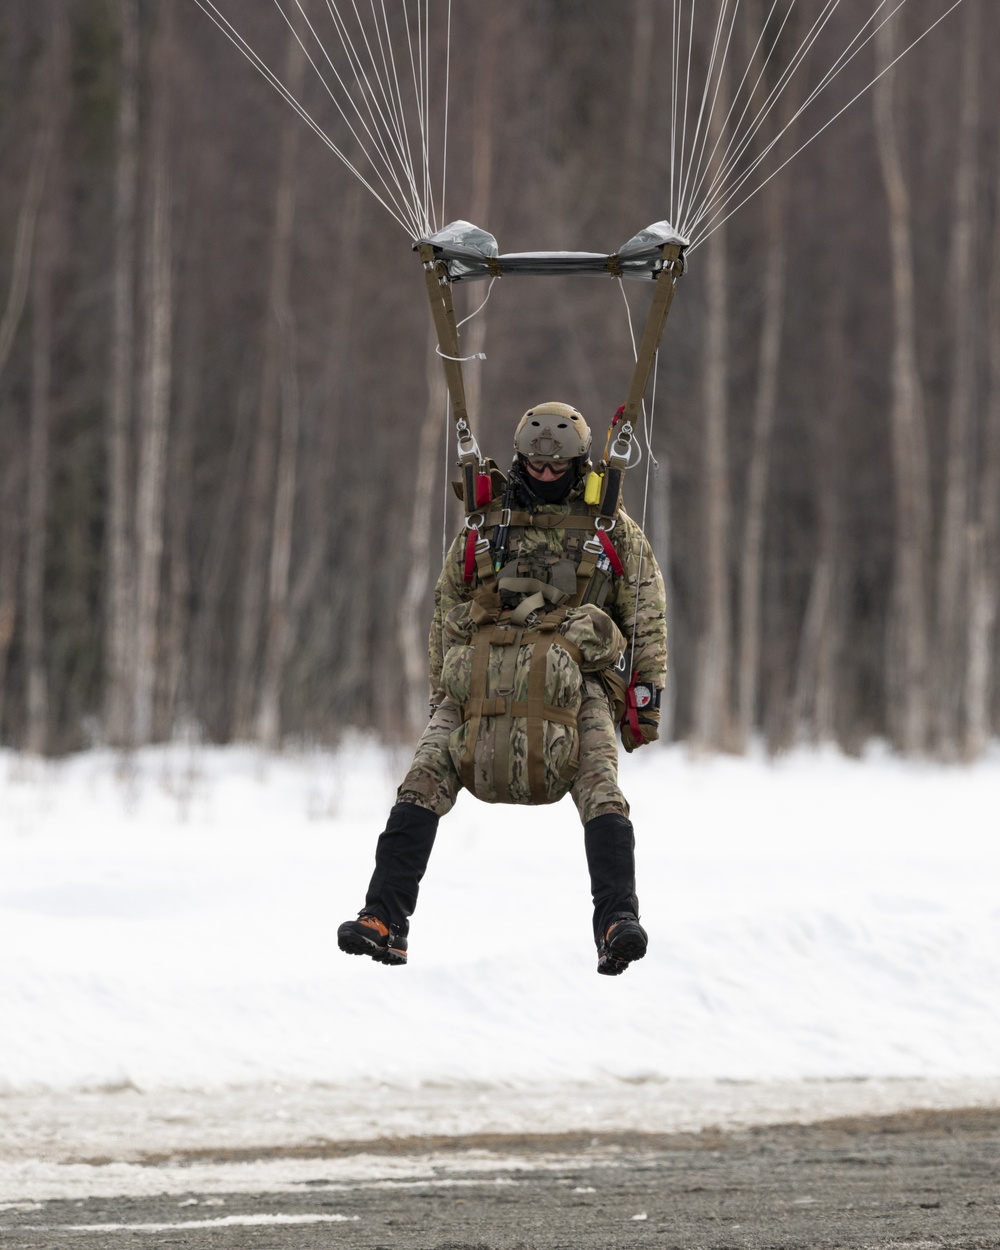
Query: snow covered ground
x=167 y=923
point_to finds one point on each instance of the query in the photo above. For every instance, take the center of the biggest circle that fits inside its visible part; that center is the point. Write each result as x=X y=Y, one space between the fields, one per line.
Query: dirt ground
x=917 y=1180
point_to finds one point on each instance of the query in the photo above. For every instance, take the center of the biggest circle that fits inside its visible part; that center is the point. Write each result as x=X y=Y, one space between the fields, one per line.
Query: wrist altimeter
x=647 y=697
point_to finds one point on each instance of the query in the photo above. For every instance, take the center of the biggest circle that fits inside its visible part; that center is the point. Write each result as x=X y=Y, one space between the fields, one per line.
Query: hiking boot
x=624 y=942
x=370 y=936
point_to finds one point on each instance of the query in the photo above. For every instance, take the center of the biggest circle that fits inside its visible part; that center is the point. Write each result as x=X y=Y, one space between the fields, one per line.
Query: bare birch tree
x=814 y=699
x=52 y=117
x=712 y=697
x=119 y=605
x=765 y=406
x=11 y=526
x=256 y=562
x=907 y=634
x=277 y=636
x=984 y=540
x=953 y=582
x=156 y=392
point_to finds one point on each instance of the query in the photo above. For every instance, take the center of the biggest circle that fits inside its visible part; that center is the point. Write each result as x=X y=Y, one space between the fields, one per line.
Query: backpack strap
x=475 y=709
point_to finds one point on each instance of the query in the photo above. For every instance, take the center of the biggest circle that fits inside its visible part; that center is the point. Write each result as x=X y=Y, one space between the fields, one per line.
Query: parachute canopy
x=469 y=253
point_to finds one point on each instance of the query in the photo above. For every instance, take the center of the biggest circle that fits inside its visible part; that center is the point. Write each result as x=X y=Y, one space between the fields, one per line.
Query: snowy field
x=824 y=935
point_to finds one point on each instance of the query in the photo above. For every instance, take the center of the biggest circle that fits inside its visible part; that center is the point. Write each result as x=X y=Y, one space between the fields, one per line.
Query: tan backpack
x=519 y=678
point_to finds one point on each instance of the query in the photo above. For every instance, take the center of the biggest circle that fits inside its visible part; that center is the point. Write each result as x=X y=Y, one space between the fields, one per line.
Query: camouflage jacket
x=636 y=602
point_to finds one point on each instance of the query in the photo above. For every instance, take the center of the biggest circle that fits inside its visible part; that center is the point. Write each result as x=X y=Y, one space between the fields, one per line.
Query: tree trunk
x=37 y=694
x=985 y=542
x=260 y=505
x=11 y=525
x=815 y=698
x=24 y=242
x=712 y=717
x=153 y=427
x=174 y=706
x=210 y=641
x=119 y=598
x=953 y=583
x=320 y=466
x=980 y=632
x=752 y=558
x=276 y=642
x=643 y=47
x=907 y=634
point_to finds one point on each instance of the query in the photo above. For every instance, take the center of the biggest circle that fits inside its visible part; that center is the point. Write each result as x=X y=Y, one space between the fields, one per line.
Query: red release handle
x=470 y=555
x=609 y=550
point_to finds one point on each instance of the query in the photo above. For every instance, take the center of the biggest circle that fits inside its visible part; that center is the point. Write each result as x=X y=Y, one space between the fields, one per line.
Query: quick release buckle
x=621 y=448
x=467 y=445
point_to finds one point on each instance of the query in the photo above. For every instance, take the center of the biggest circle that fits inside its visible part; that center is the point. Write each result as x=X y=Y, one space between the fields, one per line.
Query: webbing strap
x=519 y=707
x=666 y=279
x=533 y=603
x=535 y=717
x=543 y=520
x=473 y=710
x=533 y=585
x=584 y=572
x=504 y=731
x=443 y=312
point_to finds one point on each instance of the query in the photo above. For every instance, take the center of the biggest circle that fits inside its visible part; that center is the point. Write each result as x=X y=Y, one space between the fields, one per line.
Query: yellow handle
x=593 y=487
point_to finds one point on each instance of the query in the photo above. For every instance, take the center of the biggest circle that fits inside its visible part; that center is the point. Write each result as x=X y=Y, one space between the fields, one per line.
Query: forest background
x=223 y=452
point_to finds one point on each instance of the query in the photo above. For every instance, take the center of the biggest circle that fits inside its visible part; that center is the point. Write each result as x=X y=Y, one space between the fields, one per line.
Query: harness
x=535 y=623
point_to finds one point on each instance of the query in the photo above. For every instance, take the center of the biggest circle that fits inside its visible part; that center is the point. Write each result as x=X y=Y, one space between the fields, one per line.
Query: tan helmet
x=552 y=432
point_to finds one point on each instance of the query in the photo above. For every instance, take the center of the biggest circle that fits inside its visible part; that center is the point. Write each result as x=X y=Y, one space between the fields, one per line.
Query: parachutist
x=527 y=671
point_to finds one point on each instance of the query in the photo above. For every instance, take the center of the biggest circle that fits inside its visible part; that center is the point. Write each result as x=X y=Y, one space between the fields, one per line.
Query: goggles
x=558 y=467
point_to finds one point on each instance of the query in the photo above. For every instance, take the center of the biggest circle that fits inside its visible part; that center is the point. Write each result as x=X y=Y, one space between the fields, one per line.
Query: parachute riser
x=471 y=459
x=659 y=309
x=445 y=324
x=609 y=476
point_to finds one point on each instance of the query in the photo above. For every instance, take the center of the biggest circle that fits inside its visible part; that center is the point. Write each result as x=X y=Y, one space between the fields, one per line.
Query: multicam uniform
x=636 y=603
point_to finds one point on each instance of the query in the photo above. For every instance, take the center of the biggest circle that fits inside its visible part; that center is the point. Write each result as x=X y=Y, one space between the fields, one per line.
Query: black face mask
x=554 y=491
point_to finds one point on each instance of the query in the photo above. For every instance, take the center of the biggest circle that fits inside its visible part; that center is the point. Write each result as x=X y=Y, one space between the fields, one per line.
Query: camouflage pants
x=433 y=781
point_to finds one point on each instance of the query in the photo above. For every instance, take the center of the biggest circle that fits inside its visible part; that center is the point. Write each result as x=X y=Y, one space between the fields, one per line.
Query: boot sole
x=624 y=951
x=355 y=944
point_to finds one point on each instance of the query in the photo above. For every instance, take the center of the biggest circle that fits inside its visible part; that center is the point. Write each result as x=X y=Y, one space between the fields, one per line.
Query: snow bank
x=170 y=920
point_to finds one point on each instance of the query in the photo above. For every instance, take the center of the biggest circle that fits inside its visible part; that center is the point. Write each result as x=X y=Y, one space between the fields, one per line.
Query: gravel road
x=917 y=1180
